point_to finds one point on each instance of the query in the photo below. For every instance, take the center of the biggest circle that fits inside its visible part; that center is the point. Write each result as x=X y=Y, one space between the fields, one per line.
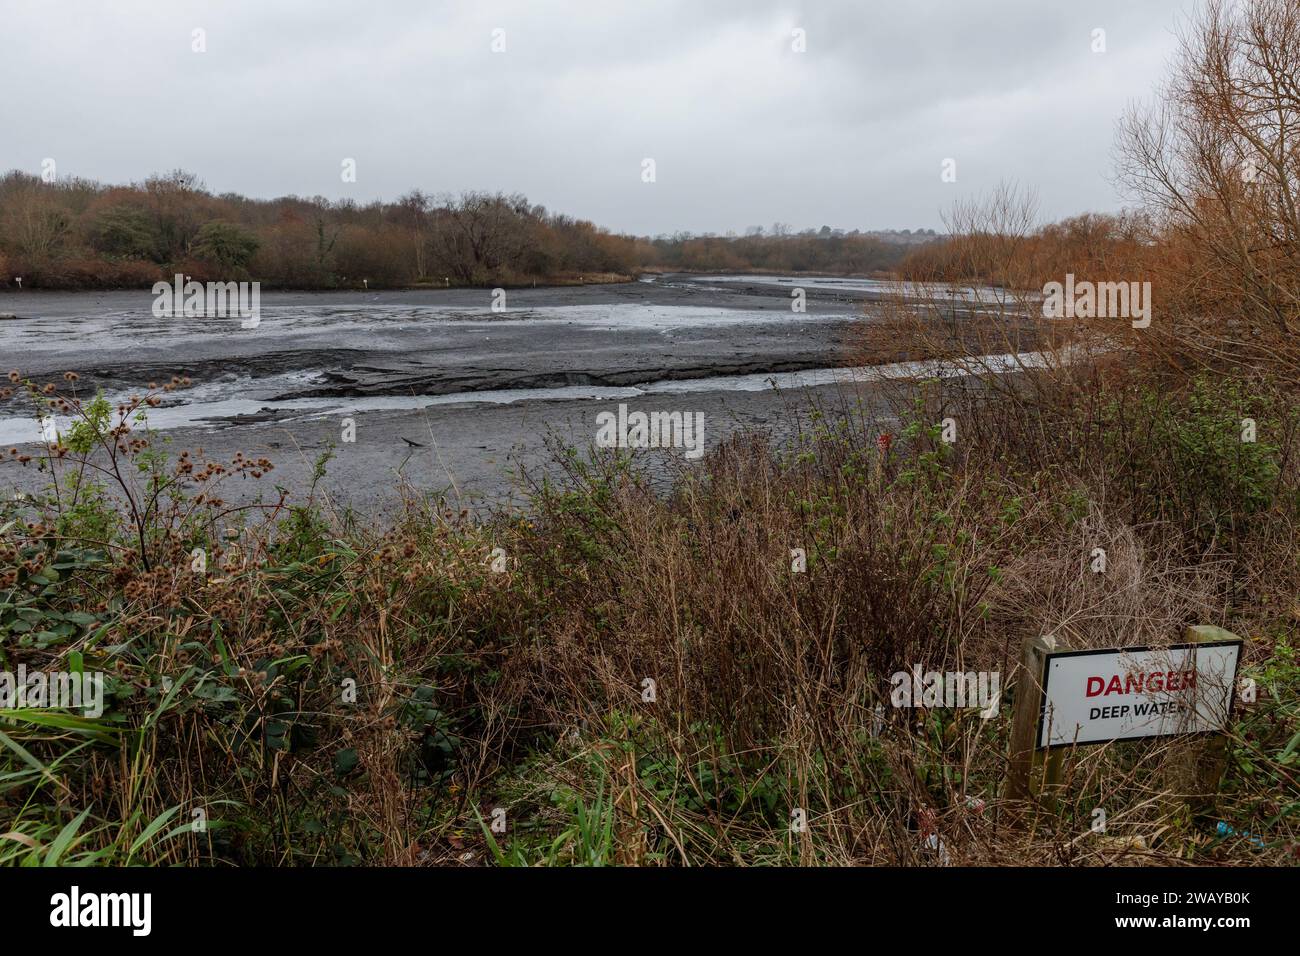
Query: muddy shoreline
x=546 y=366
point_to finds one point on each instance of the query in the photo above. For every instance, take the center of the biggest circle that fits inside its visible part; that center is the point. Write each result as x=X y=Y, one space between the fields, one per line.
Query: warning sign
x=1099 y=696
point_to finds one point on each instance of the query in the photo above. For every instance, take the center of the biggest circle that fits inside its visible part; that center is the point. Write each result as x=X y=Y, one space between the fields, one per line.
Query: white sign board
x=1094 y=697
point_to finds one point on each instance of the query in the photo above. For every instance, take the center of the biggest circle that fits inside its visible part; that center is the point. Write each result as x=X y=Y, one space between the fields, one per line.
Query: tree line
x=77 y=233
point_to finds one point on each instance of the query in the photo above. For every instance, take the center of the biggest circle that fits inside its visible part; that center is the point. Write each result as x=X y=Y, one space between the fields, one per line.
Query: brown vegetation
x=79 y=234
x=326 y=691
x=780 y=251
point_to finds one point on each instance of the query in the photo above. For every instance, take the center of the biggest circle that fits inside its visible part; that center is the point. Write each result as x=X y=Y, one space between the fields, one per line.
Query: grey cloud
x=743 y=130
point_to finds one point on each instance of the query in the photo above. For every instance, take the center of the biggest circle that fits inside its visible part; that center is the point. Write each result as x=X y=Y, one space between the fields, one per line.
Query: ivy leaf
x=345 y=761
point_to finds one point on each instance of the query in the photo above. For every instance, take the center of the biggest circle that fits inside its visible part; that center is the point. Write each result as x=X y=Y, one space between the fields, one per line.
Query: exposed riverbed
x=476 y=391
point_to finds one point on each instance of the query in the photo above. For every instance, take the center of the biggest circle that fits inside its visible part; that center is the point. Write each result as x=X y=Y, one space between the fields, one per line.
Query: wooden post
x=1026 y=765
x=1209 y=755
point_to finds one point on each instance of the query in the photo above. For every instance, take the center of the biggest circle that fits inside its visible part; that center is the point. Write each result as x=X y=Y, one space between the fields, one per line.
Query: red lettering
x=1096 y=682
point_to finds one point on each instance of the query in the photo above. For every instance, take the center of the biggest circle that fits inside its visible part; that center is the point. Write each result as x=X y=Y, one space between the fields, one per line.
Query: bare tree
x=38 y=226
x=479 y=233
x=413 y=213
x=175 y=201
x=1217 y=159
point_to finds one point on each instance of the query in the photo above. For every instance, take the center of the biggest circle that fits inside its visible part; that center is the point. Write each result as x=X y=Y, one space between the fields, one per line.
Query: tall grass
x=648 y=680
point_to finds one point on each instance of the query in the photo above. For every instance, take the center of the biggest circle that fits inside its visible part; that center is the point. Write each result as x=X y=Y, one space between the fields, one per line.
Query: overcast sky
x=743 y=129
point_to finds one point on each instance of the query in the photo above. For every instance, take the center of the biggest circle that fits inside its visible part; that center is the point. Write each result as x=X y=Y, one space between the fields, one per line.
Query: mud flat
x=442 y=390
